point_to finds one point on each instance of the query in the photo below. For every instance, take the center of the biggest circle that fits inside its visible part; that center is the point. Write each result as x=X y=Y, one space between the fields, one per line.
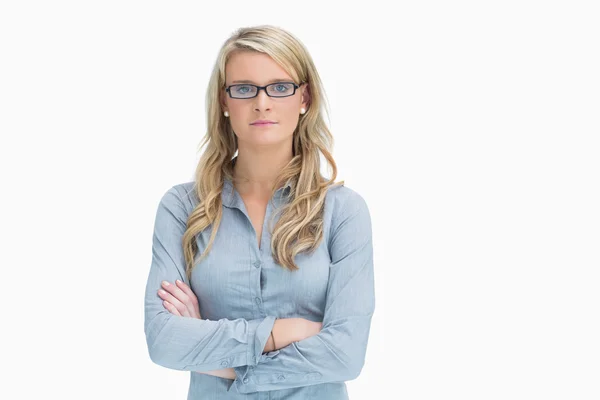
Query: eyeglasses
x=248 y=91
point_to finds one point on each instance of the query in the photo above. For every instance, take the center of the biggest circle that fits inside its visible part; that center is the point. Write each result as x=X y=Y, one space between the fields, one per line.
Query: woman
x=261 y=281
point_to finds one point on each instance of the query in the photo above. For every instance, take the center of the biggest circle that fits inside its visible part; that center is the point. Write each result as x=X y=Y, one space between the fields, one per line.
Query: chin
x=266 y=138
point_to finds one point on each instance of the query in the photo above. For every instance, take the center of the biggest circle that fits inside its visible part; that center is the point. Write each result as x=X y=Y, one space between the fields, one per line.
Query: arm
x=289 y=330
x=337 y=352
x=184 y=343
x=286 y=330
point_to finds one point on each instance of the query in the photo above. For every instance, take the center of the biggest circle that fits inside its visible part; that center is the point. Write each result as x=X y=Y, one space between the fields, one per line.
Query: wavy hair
x=300 y=226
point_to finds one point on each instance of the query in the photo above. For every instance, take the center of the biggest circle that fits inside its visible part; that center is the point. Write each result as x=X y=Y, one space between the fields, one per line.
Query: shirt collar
x=231 y=198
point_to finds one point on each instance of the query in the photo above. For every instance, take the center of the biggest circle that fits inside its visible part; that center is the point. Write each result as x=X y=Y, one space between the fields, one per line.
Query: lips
x=263 y=122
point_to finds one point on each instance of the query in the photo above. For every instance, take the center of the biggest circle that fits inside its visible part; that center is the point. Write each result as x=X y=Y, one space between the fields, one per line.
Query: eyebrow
x=271 y=81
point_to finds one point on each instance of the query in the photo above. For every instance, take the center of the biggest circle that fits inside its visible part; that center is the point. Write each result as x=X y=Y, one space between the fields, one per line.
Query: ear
x=305 y=95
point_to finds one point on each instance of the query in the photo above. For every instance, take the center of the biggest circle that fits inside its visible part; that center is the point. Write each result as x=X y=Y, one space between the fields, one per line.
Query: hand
x=179 y=299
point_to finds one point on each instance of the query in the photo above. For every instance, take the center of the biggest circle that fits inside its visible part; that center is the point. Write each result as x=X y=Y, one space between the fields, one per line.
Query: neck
x=257 y=171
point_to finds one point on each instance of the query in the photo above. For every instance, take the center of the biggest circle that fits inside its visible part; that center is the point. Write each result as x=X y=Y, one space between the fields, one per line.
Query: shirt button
x=257 y=300
x=224 y=363
x=257 y=264
x=245 y=380
x=281 y=377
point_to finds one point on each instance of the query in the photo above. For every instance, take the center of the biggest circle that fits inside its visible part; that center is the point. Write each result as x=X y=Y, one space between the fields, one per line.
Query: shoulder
x=181 y=196
x=344 y=201
x=185 y=192
x=350 y=221
x=347 y=211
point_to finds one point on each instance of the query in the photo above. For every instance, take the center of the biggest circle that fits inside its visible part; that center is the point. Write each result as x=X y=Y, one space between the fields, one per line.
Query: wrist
x=273 y=342
x=281 y=331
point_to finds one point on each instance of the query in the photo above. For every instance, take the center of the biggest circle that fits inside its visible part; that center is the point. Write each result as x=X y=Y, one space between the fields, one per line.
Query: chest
x=238 y=279
x=256 y=209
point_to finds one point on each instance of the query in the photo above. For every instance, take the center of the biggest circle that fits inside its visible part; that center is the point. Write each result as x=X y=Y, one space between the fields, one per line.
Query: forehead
x=253 y=67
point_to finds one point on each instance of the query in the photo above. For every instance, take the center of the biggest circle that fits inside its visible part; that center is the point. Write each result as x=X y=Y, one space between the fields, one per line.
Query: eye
x=243 y=89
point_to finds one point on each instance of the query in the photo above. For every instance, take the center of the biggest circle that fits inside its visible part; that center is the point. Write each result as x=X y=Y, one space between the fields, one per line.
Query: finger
x=177 y=292
x=171 y=308
x=179 y=295
x=194 y=307
x=173 y=301
x=187 y=290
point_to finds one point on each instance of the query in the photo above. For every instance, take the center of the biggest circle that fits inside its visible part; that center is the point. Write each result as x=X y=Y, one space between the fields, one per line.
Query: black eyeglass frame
x=258 y=88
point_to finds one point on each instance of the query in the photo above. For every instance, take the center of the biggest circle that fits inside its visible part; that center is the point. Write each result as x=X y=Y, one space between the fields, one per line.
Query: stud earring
x=302 y=110
x=226 y=113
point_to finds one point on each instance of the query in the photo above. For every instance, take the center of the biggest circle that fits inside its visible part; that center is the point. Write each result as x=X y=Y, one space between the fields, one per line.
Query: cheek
x=240 y=110
x=289 y=115
x=239 y=117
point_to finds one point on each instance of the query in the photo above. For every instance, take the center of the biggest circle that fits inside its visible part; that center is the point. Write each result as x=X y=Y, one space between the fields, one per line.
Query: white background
x=470 y=127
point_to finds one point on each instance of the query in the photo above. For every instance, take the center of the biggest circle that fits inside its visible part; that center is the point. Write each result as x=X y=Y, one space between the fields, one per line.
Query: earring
x=302 y=110
x=226 y=113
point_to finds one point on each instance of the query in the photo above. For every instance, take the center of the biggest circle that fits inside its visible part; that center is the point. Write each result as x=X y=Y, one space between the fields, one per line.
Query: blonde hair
x=300 y=226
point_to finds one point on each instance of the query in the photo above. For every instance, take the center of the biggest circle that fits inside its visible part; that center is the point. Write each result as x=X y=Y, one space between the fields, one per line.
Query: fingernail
x=162 y=291
x=165 y=283
x=178 y=281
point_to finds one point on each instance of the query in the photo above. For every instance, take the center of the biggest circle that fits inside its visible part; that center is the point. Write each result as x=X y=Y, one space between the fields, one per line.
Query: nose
x=262 y=101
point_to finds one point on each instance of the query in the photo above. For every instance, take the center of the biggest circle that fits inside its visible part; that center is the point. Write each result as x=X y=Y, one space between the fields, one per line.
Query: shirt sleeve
x=337 y=352
x=185 y=343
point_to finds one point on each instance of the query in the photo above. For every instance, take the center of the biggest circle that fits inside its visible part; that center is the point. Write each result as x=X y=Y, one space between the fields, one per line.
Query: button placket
x=257 y=299
x=258 y=263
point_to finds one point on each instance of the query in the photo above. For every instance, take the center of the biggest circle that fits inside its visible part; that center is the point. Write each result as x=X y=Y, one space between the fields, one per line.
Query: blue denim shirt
x=241 y=291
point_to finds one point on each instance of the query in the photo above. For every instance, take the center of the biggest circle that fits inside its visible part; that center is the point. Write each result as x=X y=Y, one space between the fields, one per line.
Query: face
x=260 y=69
